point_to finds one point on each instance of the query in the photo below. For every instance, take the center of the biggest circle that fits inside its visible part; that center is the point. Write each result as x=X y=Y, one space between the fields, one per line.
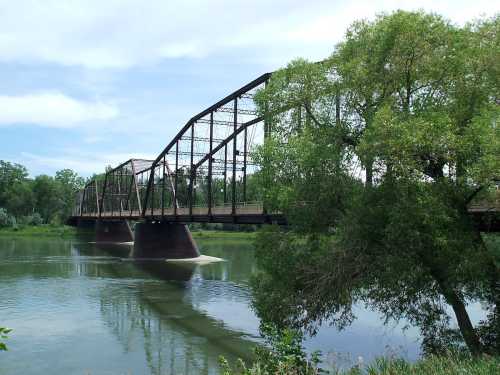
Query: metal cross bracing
x=206 y=172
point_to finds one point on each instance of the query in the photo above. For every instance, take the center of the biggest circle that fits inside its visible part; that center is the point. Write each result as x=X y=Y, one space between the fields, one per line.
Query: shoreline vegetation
x=65 y=231
x=44 y=230
x=284 y=354
x=433 y=365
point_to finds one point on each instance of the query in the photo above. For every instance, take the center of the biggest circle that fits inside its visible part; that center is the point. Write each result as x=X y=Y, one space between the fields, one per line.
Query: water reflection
x=77 y=307
x=154 y=305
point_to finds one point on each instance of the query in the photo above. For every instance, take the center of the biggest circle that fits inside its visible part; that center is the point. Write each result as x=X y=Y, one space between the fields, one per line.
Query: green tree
x=48 y=200
x=69 y=183
x=384 y=145
x=15 y=189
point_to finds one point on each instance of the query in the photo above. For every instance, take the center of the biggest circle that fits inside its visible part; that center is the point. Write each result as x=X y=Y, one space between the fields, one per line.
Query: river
x=76 y=307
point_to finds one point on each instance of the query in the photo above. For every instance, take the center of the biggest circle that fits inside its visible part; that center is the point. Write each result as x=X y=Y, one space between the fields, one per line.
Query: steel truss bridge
x=205 y=174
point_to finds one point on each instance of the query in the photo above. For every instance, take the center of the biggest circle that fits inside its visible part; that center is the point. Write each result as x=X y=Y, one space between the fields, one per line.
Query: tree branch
x=347 y=140
x=473 y=194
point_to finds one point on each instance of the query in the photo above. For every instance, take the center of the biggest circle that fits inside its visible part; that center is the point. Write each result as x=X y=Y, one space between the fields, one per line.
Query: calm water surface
x=80 y=308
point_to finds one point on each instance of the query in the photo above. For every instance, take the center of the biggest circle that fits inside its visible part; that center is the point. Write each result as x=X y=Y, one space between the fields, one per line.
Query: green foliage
x=44 y=230
x=374 y=157
x=282 y=355
x=433 y=365
x=44 y=199
x=6 y=220
x=3 y=336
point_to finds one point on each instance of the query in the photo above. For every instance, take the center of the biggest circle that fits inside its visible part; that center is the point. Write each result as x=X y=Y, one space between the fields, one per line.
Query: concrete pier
x=85 y=224
x=164 y=240
x=113 y=231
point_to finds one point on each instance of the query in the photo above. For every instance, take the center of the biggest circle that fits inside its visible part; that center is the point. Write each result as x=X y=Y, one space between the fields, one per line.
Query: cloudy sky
x=87 y=83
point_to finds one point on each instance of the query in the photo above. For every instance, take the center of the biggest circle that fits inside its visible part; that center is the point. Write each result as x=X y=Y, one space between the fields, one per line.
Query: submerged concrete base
x=113 y=231
x=201 y=260
x=164 y=240
x=86 y=224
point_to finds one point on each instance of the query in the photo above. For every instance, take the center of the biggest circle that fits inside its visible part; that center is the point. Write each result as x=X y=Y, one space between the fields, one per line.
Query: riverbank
x=65 y=231
x=219 y=234
x=61 y=231
x=452 y=364
x=434 y=365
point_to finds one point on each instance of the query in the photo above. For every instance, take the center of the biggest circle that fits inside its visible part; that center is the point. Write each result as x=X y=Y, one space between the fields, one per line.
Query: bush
x=35 y=219
x=6 y=220
x=282 y=355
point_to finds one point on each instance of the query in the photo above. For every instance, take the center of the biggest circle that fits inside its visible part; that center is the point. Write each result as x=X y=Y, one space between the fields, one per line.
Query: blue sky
x=90 y=83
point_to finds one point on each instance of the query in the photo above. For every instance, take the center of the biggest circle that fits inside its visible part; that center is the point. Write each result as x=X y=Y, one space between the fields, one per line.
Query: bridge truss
x=206 y=173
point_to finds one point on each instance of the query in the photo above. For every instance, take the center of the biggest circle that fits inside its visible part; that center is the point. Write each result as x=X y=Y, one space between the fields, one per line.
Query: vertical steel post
x=120 y=191
x=134 y=176
x=175 y=176
x=191 y=173
x=146 y=196
x=103 y=194
x=152 y=175
x=97 y=198
x=233 y=185
x=163 y=189
x=245 y=148
x=82 y=200
x=225 y=173
x=129 y=206
x=112 y=193
x=267 y=133
x=210 y=164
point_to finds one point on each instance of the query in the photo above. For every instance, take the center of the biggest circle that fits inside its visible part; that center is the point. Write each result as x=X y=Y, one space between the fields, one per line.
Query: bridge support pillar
x=82 y=223
x=113 y=231
x=164 y=240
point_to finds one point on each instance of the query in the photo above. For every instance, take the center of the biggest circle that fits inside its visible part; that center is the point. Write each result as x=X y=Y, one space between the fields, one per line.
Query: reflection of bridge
x=207 y=173
x=158 y=322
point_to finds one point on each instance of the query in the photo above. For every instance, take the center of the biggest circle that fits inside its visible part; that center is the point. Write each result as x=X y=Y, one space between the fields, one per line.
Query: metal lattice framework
x=206 y=172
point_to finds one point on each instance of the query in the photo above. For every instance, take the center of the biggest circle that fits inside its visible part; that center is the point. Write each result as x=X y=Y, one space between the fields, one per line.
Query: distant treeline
x=34 y=201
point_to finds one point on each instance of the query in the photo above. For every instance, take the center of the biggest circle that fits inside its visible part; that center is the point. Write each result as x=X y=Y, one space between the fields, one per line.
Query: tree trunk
x=467 y=330
x=494 y=276
x=369 y=174
x=465 y=325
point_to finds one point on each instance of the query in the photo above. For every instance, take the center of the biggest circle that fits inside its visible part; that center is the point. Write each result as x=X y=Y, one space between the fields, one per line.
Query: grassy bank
x=63 y=231
x=219 y=234
x=433 y=365
x=67 y=231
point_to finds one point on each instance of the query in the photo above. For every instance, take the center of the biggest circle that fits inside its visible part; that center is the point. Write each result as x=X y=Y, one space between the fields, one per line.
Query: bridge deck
x=247 y=214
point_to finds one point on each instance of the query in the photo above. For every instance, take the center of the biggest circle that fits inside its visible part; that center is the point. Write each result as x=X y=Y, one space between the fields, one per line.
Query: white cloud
x=52 y=110
x=81 y=162
x=124 y=33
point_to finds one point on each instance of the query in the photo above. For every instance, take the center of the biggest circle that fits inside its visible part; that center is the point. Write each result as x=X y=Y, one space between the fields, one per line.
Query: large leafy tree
x=15 y=189
x=69 y=183
x=375 y=155
x=50 y=197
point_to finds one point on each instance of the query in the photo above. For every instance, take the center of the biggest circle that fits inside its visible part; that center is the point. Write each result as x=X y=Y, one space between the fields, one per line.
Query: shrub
x=36 y=219
x=282 y=355
x=6 y=220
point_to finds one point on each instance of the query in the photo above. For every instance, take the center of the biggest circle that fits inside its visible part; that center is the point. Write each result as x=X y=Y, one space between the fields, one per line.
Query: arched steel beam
x=228 y=99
